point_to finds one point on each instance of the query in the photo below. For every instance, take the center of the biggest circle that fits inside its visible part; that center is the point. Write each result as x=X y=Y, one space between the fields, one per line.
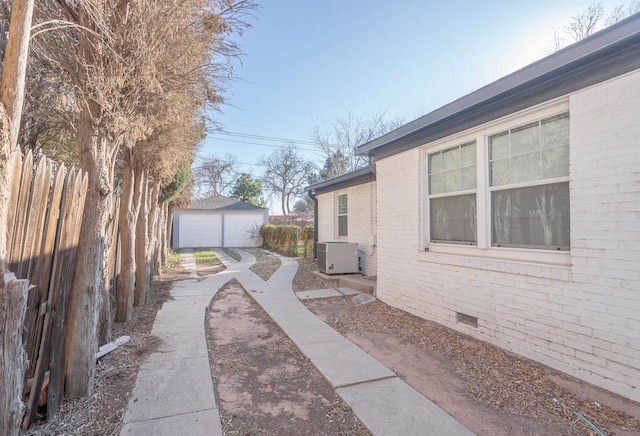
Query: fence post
x=13 y=361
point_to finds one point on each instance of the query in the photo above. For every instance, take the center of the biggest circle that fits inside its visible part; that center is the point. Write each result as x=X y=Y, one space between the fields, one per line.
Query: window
x=529 y=184
x=342 y=215
x=452 y=194
x=503 y=185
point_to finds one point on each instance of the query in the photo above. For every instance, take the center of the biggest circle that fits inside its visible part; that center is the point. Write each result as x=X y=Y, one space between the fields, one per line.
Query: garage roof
x=222 y=203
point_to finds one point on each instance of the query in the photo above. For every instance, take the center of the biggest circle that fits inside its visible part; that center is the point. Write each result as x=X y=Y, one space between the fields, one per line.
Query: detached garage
x=217 y=221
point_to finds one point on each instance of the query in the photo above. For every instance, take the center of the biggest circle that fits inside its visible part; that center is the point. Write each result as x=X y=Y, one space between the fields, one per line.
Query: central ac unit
x=337 y=257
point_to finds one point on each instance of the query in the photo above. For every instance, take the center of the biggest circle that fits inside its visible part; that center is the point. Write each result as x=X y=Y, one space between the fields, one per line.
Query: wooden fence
x=45 y=214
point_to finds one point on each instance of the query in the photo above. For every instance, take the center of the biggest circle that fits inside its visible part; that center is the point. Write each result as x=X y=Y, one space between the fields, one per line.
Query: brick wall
x=361 y=204
x=582 y=318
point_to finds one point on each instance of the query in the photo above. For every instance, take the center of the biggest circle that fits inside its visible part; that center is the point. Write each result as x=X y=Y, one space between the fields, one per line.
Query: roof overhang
x=607 y=54
x=347 y=180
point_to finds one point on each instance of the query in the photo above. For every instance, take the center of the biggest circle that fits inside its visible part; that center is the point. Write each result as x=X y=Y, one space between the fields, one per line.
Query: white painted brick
x=556 y=315
x=361 y=219
x=591 y=358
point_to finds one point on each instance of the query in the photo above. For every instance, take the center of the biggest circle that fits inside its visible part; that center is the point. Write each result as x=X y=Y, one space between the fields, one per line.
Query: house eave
x=603 y=56
x=344 y=181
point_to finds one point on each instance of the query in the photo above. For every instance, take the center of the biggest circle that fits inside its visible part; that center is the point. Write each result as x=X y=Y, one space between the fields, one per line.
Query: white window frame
x=481 y=135
x=461 y=192
x=338 y=214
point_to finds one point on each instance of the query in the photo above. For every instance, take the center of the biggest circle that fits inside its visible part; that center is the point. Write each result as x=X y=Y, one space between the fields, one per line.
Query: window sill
x=536 y=263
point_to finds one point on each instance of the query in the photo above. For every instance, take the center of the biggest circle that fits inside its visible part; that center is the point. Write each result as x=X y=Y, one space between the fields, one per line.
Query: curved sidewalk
x=174 y=392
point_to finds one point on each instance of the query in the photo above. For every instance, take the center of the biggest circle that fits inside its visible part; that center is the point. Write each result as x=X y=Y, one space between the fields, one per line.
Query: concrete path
x=383 y=402
x=174 y=393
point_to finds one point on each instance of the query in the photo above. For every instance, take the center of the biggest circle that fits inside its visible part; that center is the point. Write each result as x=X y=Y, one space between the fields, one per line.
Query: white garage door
x=237 y=229
x=200 y=231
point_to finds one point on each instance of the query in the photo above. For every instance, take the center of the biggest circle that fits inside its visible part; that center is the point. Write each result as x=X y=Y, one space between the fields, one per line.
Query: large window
x=342 y=215
x=529 y=184
x=452 y=194
x=502 y=186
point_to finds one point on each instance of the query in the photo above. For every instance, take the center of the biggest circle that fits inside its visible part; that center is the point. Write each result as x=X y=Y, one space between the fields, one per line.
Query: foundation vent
x=469 y=320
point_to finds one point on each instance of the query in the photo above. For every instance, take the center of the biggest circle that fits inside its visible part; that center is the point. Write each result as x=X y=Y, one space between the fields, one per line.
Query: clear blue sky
x=307 y=62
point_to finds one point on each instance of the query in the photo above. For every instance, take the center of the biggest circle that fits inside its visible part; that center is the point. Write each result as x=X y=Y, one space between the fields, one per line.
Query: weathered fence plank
x=42 y=274
x=33 y=241
x=35 y=218
x=12 y=309
x=15 y=163
x=16 y=233
x=42 y=362
x=73 y=224
x=61 y=279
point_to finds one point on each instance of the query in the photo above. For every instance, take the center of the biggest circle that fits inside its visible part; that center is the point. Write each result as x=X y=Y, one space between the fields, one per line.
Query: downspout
x=312 y=196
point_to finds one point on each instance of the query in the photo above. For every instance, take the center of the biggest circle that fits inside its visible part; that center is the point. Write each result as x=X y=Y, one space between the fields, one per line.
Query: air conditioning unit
x=337 y=257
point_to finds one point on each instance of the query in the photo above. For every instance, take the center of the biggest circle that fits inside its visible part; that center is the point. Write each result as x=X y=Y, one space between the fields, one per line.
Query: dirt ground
x=269 y=385
x=264 y=385
x=487 y=389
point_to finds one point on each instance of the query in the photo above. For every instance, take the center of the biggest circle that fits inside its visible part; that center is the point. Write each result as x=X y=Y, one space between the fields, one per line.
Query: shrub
x=283 y=239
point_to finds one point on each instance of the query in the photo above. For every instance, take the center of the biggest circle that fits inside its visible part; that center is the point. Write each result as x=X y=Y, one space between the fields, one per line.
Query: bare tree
x=285 y=173
x=593 y=19
x=339 y=140
x=214 y=175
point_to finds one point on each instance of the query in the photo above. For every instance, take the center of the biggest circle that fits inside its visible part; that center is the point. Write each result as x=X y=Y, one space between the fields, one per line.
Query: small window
x=342 y=215
x=452 y=194
x=529 y=183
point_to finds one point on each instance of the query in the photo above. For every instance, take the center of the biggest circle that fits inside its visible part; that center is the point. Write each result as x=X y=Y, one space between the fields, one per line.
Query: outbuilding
x=218 y=221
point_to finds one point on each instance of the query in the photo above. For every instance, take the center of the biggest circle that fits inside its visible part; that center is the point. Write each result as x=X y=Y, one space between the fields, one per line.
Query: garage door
x=200 y=231
x=237 y=228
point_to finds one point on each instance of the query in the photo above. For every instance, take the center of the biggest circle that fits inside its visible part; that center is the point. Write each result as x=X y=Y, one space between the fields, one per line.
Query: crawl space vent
x=467 y=319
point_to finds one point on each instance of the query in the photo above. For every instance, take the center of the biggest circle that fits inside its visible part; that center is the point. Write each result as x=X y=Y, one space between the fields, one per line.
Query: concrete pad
x=391 y=406
x=345 y=290
x=319 y=293
x=173 y=387
x=204 y=422
x=344 y=363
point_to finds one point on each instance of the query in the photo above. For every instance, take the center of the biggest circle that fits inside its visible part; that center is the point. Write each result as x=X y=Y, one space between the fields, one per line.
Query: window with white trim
x=502 y=185
x=529 y=184
x=342 y=216
x=452 y=194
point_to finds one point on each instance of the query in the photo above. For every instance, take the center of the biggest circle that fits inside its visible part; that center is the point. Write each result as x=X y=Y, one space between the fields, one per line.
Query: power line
x=266 y=138
x=267 y=145
x=269 y=138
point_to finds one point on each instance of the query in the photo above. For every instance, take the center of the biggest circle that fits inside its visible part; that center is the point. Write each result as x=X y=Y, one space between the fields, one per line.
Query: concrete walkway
x=174 y=392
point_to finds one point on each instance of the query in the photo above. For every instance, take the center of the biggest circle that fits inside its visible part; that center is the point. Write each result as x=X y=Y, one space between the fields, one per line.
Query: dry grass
x=266 y=263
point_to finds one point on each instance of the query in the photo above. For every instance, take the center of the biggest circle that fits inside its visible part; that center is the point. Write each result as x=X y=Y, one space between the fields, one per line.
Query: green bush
x=282 y=239
x=307 y=240
x=307 y=233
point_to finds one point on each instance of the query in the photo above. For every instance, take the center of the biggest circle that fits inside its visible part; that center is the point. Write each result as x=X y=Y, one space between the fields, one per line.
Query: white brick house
x=346 y=212
x=513 y=213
